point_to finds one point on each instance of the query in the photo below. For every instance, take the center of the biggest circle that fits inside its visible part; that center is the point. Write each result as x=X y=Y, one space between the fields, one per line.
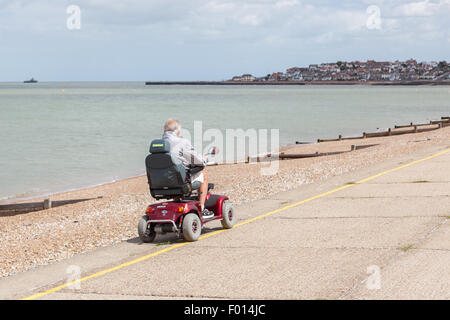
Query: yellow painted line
x=403 y=166
x=100 y=273
x=176 y=246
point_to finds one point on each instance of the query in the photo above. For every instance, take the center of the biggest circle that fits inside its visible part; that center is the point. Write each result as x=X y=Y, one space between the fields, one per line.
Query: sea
x=60 y=136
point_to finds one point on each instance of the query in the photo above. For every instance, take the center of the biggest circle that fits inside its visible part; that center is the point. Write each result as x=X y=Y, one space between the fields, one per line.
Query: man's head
x=173 y=125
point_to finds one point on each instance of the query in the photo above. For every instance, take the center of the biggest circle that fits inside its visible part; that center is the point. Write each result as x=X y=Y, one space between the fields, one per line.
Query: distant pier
x=225 y=83
x=299 y=83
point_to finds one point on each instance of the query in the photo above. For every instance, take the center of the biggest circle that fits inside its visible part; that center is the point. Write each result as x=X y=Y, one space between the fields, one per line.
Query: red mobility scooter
x=181 y=214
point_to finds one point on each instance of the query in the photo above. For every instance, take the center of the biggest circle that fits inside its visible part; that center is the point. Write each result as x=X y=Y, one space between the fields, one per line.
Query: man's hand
x=213 y=150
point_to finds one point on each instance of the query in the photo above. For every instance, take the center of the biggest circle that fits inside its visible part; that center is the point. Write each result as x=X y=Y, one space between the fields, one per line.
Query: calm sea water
x=59 y=136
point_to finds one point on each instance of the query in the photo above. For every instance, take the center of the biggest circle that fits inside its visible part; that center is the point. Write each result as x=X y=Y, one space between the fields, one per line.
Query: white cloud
x=225 y=29
x=286 y=3
x=229 y=20
x=424 y=8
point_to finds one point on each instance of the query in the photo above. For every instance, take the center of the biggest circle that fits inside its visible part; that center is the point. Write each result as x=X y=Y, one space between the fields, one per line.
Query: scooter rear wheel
x=192 y=227
x=146 y=235
x=228 y=215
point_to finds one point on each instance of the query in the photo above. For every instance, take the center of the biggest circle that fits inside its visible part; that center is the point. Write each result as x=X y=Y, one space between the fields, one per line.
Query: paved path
x=385 y=237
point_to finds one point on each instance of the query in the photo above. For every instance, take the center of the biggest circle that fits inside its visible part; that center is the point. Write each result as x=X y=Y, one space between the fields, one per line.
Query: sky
x=140 y=40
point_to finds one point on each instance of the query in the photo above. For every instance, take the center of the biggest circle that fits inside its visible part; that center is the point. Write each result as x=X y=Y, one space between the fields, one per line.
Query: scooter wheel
x=229 y=215
x=144 y=234
x=192 y=227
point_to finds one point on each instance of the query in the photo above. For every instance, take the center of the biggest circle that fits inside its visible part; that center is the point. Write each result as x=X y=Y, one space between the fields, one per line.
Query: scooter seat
x=166 y=175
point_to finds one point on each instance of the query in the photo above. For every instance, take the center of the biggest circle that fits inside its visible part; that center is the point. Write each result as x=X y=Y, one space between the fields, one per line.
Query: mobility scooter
x=169 y=180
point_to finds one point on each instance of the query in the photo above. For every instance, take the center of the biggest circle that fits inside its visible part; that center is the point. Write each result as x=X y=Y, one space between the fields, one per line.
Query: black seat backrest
x=166 y=175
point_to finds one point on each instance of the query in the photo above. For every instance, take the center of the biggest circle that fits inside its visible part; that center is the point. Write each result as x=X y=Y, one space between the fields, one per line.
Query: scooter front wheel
x=228 y=215
x=146 y=234
x=192 y=227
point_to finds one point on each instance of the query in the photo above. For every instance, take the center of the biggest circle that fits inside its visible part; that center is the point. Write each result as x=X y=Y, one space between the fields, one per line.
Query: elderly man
x=183 y=150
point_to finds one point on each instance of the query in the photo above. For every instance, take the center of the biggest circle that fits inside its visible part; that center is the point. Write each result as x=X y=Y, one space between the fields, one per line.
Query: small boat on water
x=32 y=80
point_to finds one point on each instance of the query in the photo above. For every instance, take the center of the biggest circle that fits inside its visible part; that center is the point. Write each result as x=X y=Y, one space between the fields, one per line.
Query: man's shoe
x=207 y=214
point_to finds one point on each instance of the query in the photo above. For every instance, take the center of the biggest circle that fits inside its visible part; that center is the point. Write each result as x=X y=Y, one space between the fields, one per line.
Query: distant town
x=369 y=71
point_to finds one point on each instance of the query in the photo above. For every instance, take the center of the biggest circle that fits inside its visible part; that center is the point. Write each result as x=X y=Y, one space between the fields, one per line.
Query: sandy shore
x=39 y=238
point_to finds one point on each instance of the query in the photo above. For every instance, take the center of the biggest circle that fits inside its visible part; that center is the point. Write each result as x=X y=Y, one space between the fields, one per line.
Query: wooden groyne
x=401 y=129
x=286 y=156
x=413 y=128
x=398 y=130
x=18 y=208
x=353 y=147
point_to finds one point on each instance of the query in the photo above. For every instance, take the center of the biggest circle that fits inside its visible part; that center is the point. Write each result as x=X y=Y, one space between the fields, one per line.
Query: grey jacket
x=183 y=150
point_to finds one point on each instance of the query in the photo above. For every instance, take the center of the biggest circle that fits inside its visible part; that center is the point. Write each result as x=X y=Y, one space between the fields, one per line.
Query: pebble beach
x=43 y=237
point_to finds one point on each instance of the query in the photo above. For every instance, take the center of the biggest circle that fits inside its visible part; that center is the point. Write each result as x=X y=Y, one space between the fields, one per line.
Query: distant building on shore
x=371 y=70
x=244 y=77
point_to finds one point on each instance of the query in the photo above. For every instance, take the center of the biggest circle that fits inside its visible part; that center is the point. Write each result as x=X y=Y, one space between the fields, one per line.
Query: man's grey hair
x=172 y=125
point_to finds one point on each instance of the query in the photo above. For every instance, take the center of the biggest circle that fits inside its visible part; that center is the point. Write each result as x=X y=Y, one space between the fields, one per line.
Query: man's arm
x=191 y=155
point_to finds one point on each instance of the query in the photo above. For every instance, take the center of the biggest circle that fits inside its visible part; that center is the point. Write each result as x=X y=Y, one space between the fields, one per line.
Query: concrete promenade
x=378 y=233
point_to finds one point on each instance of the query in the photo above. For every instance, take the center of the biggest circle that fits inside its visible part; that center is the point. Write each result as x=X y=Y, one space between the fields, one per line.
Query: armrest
x=193 y=168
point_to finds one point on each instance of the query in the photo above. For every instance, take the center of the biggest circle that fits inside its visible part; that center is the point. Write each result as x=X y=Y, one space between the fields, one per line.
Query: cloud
x=226 y=20
x=426 y=8
x=191 y=34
